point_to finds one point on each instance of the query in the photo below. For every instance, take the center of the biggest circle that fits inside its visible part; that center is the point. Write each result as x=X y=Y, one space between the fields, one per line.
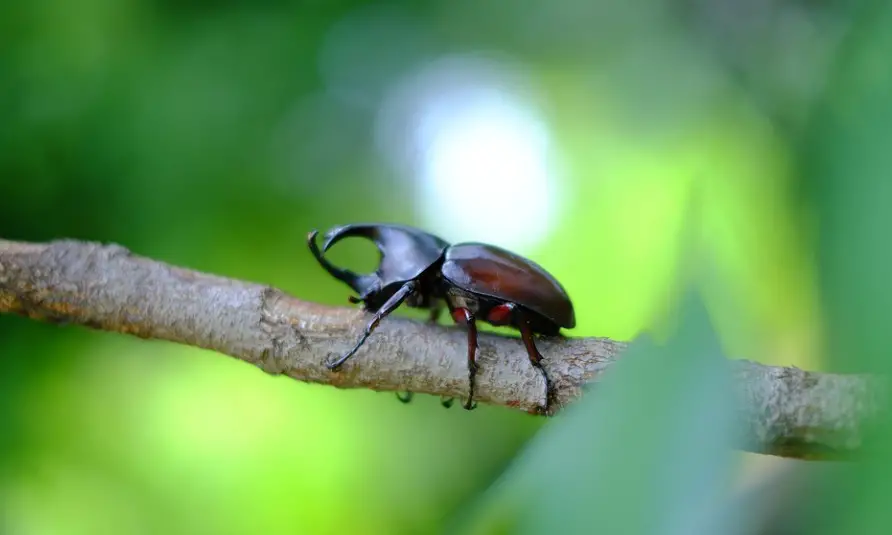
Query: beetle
x=476 y=281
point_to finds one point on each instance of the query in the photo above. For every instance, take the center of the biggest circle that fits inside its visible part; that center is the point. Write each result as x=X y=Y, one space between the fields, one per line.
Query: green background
x=722 y=189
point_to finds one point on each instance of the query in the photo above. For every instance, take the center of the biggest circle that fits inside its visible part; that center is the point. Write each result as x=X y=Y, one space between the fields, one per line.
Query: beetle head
x=405 y=254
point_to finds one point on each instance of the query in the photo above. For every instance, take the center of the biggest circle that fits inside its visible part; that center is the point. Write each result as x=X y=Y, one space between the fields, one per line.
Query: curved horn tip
x=311 y=239
x=314 y=247
x=337 y=233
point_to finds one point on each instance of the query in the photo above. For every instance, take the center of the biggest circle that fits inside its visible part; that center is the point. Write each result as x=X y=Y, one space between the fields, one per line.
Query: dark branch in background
x=783 y=411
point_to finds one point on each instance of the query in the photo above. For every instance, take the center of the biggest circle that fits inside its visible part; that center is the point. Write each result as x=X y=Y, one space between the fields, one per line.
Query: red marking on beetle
x=513 y=403
x=461 y=316
x=500 y=314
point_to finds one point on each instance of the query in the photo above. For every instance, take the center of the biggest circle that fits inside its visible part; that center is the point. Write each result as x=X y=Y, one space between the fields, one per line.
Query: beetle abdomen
x=495 y=272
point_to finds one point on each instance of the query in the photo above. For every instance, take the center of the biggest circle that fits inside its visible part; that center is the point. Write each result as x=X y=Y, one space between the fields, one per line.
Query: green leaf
x=849 y=159
x=849 y=166
x=647 y=450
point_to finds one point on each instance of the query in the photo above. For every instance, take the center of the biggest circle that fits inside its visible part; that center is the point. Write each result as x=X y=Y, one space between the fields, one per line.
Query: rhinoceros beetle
x=475 y=280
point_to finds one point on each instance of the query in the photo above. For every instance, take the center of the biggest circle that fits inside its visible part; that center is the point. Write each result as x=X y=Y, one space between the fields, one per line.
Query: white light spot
x=480 y=153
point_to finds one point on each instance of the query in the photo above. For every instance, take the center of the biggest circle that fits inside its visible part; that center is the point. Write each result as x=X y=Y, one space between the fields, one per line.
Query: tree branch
x=783 y=411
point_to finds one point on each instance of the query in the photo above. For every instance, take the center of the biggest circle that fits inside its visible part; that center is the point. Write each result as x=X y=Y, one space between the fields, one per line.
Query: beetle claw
x=470 y=404
x=447 y=402
x=406 y=398
x=332 y=365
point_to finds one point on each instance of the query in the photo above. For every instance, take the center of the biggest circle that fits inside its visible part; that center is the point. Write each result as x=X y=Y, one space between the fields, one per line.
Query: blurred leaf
x=849 y=161
x=647 y=450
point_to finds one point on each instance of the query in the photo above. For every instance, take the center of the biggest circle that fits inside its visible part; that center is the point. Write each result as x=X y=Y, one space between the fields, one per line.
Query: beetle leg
x=435 y=312
x=463 y=315
x=407 y=397
x=395 y=300
x=536 y=359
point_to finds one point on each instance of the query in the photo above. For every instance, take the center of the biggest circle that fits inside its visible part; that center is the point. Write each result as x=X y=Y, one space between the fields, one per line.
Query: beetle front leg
x=463 y=316
x=395 y=300
x=526 y=333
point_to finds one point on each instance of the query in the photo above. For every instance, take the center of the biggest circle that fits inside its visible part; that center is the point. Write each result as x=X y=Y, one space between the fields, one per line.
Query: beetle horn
x=361 y=284
x=336 y=234
x=405 y=253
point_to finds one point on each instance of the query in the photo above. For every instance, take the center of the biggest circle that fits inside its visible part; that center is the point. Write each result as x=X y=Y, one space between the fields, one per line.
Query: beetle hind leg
x=464 y=316
x=526 y=333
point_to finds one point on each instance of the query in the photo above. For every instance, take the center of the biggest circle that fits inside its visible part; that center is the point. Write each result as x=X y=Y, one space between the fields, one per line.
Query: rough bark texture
x=783 y=411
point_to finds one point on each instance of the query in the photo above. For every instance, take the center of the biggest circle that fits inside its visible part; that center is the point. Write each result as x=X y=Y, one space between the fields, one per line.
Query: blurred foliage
x=594 y=467
x=215 y=135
